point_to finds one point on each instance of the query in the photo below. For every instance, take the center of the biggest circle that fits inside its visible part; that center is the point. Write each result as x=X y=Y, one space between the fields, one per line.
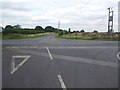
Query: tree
x=82 y=31
x=39 y=28
x=17 y=26
x=60 y=33
x=8 y=27
x=50 y=29
x=74 y=31
x=1 y=28
x=95 y=31
x=69 y=30
x=66 y=32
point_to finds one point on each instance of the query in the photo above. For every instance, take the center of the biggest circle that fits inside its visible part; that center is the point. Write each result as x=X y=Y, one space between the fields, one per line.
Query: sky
x=75 y=14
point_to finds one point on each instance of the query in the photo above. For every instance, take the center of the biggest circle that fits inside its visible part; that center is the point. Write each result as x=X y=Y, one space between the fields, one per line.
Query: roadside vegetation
x=82 y=35
x=23 y=36
x=16 y=32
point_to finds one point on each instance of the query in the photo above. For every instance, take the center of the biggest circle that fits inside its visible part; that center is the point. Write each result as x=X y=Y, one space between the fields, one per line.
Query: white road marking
x=75 y=59
x=61 y=47
x=62 y=82
x=118 y=55
x=49 y=53
x=13 y=68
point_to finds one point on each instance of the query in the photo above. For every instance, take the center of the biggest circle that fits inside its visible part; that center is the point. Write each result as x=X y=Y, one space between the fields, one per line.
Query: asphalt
x=80 y=63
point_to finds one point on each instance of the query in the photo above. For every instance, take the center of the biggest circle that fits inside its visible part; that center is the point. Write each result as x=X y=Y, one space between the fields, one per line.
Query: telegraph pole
x=110 y=21
x=58 y=25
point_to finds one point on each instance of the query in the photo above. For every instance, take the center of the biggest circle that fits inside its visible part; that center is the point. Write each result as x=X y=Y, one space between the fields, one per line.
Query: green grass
x=21 y=36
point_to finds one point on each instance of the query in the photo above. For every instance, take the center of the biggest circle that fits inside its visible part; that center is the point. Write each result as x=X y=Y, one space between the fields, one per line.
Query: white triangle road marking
x=13 y=68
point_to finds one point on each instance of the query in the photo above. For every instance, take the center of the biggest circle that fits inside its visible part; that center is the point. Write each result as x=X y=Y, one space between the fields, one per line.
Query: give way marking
x=15 y=68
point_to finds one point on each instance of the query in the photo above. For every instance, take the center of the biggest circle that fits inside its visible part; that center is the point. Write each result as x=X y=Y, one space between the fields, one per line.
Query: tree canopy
x=82 y=31
x=17 y=26
x=9 y=27
x=50 y=29
x=95 y=31
x=39 y=28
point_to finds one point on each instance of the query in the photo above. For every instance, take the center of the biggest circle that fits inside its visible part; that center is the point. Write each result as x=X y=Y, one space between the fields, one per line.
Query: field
x=92 y=36
x=23 y=36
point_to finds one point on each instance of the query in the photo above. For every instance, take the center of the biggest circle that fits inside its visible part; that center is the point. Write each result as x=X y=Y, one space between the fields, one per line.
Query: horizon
x=90 y=31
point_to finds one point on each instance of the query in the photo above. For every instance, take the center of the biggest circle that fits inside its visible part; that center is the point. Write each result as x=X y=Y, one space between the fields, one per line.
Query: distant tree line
x=9 y=29
x=16 y=29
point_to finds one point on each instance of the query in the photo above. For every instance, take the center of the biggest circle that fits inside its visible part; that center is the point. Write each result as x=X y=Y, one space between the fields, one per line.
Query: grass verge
x=23 y=36
x=88 y=38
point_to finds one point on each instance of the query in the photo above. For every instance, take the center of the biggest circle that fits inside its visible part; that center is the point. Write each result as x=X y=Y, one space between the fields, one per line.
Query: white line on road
x=13 y=68
x=74 y=59
x=118 y=55
x=61 y=47
x=62 y=82
x=49 y=53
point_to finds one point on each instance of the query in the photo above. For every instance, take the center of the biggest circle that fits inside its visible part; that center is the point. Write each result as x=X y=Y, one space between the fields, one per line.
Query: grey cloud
x=15 y=6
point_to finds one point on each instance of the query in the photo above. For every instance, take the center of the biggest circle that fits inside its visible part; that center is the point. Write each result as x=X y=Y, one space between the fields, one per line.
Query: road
x=49 y=62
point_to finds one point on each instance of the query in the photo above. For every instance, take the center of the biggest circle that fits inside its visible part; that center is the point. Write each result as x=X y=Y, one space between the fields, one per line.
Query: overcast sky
x=75 y=14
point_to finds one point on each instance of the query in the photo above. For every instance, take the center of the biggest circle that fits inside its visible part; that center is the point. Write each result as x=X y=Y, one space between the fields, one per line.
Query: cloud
x=15 y=6
x=74 y=14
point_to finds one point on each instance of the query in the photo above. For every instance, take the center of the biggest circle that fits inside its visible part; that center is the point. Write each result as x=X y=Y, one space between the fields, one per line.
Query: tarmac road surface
x=49 y=62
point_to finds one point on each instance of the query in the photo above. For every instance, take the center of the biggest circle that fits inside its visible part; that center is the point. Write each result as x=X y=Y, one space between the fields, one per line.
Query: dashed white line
x=13 y=68
x=118 y=55
x=62 y=82
x=49 y=53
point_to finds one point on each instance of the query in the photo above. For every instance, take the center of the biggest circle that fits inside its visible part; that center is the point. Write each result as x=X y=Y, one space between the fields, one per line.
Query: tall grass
x=22 y=36
x=92 y=36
